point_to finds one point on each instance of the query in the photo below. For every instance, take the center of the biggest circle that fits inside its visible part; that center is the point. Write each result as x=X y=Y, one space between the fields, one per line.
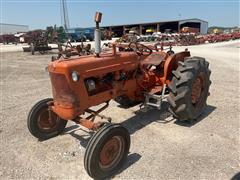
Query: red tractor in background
x=129 y=74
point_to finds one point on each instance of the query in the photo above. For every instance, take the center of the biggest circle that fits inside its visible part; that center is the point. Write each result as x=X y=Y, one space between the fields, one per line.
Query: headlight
x=75 y=76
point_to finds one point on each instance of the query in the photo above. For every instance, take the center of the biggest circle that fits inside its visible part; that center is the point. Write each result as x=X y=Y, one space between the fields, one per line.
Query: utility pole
x=64 y=15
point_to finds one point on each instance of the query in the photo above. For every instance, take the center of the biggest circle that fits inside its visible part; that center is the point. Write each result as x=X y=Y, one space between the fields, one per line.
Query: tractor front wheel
x=44 y=123
x=106 y=151
x=189 y=88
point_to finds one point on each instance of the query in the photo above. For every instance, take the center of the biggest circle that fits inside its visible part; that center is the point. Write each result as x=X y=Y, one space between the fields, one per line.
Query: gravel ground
x=161 y=148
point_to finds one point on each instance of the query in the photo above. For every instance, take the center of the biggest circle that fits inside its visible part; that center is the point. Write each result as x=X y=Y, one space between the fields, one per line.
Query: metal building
x=161 y=26
x=12 y=28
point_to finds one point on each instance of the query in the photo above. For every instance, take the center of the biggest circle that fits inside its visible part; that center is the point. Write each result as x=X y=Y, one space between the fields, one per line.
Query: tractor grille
x=62 y=93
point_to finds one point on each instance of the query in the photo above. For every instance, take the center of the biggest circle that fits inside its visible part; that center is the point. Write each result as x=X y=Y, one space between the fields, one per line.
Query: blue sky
x=42 y=13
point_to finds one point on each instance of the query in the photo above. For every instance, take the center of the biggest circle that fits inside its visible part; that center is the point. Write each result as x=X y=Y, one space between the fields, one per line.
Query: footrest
x=154 y=100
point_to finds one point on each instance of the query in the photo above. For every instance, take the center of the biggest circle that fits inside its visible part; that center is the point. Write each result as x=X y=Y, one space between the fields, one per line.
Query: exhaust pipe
x=97 y=34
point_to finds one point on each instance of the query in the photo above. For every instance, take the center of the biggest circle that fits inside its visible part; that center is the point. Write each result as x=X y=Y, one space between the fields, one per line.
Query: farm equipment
x=40 y=45
x=136 y=74
x=39 y=40
x=187 y=37
x=190 y=30
x=70 y=50
x=8 y=38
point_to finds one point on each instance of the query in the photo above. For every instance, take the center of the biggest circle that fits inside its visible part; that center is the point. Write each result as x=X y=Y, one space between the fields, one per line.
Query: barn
x=160 y=26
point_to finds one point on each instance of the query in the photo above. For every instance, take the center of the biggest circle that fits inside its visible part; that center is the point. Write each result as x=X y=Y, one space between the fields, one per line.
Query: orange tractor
x=129 y=74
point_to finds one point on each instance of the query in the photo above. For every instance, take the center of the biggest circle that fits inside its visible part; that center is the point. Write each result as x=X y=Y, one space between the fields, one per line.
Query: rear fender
x=172 y=63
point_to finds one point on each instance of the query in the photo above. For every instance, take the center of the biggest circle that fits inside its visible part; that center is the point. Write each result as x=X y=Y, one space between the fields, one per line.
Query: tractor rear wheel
x=189 y=88
x=106 y=151
x=44 y=123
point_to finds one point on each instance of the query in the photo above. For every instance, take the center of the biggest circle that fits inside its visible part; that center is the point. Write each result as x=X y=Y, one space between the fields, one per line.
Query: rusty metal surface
x=197 y=89
x=111 y=152
x=47 y=121
x=62 y=93
x=94 y=126
x=69 y=50
x=155 y=59
x=172 y=64
x=98 y=17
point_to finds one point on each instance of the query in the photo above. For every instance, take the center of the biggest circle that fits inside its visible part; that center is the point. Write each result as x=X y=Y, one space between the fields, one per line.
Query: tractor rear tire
x=106 y=151
x=39 y=124
x=189 y=88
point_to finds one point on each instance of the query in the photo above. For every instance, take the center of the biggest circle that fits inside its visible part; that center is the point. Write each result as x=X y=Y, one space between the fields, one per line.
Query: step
x=156 y=104
x=155 y=97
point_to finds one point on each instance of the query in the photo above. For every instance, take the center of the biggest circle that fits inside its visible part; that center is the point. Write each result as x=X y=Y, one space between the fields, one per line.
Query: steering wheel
x=140 y=48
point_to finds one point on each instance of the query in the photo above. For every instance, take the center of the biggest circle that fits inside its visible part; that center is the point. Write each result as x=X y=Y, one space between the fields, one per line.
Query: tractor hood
x=69 y=76
x=91 y=65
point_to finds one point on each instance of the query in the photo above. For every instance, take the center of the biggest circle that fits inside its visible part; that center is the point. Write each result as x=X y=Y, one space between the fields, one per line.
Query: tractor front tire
x=43 y=123
x=189 y=88
x=106 y=151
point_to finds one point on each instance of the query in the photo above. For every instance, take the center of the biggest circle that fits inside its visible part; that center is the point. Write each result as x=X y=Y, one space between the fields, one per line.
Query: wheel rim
x=197 y=89
x=112 y=152
x=47 y=121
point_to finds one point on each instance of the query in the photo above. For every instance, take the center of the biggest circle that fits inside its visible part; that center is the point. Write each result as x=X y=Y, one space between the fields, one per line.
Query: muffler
x=97 y=34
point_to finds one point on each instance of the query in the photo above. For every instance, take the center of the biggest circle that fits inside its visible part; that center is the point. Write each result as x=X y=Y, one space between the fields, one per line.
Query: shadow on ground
x=137 y=122
x=83 y=139
x=162 y=116
x=140 y=120
x=208 y=110
x=131 y=159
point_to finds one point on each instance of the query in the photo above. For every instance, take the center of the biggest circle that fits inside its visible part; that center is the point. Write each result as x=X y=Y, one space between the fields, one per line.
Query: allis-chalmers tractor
x=128 y=74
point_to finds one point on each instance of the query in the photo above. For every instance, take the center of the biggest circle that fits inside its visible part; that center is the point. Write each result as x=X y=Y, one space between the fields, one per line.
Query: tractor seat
x=154 y=59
